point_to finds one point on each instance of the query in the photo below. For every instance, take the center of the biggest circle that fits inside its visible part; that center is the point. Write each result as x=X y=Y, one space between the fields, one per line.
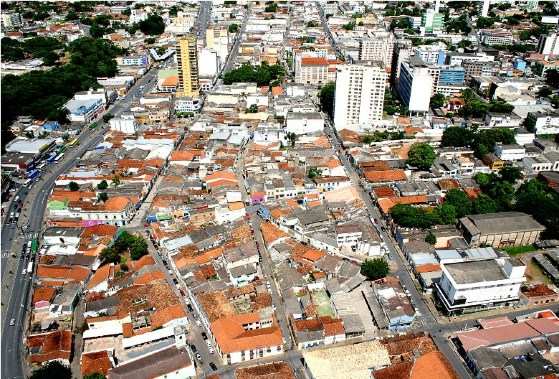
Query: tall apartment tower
x=485 y=8
x=377 y=46
x=549 y=45
x=359 y=95
x=187 y=59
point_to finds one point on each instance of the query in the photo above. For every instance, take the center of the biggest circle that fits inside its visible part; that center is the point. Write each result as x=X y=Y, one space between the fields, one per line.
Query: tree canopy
x=153 y=25
x=42 y=93
x=126 y=243
x=51 y=370
x=374 y=269
x=421 y=155
x=327 y=95
x=482 y=141
x=36 y=47
x=233 y=28
x=263 y=74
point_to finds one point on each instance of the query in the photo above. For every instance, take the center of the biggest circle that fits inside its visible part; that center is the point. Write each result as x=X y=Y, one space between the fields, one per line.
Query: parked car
x=199 y=357
x=213 y=366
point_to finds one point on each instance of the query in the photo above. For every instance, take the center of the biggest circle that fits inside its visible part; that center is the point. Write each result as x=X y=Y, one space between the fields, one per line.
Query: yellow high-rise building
x=187 y=59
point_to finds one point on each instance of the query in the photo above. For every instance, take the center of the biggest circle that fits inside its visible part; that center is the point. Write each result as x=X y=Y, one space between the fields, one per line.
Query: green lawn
x=515 y=250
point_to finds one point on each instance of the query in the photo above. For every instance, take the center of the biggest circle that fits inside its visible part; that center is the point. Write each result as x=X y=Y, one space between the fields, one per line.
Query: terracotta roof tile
x=96 y=362
x=385 y=176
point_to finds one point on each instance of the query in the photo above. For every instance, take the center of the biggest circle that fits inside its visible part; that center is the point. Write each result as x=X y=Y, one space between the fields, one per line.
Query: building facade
x=477 y=284
x=187 y=60
x=359 y=95
x=501 y=229
x=412 y=86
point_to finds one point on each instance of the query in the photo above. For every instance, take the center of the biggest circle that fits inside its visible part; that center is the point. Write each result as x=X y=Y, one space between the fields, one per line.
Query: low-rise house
x=395 y=304
x=50 y=346
x=509 y=153
x=319 y=331
x=244 y=337
x=304 y=123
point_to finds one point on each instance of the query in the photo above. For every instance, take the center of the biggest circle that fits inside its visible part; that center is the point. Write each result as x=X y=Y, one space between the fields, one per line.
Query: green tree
x=421 y=155
x=96 y=375
x=460 y=201
x=153 y=25
x=292 y=137
x=110 y=255
x=314 y=173
x=445 y=214
x=457 y=136
x=437 y=100
x=430 y=238
x=233 y=28
x=107 y=117
x=263 y=74
x=537 y=199
x=271 y=7
x=485 y=22
x=252 y=109
x=552 y=78
x=349 y=26
x=73 y=186
x=103 y=197
x=138 y=248
x=510 y=174
x=375 y=268
x=544 y=92
x=326 y=96
x=484 y=204
x=52 y=370
x=411 y=217
x=103 y=185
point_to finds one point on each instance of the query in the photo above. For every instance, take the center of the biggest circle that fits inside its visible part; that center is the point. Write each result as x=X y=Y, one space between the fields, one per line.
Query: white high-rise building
x=485 y=8
x=359 y=95
x=379 y=46
x=549 y=45
x=415 y=86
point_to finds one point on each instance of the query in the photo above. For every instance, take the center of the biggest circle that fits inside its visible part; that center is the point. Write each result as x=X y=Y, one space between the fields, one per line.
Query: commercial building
x=413 y=86
x=359 y=95
x=492 y=37
x=304 y=123
x=545 y=122
x=209 y=63
x=432 y=54
x=470 y=285
x=500 y=229
x=187 y=60
x=125 y=124
x=313 y=68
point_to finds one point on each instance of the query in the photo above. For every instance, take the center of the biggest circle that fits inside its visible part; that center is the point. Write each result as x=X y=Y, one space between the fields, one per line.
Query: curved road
x=33 y=210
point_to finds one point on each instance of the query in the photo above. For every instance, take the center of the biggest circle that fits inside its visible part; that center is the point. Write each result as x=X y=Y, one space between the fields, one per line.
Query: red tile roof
x=310 y=61
x=50 y=346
